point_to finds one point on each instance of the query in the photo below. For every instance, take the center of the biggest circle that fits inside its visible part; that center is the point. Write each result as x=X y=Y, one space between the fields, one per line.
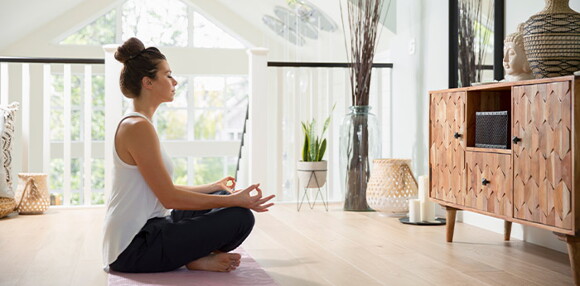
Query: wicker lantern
x=391 y=185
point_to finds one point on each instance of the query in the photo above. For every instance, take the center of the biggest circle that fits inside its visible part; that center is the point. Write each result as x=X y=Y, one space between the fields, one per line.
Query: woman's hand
x=225 y=184
x=243 y=198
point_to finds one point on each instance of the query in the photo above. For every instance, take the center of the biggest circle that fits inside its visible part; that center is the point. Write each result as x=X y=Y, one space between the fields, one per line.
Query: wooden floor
x=310 y=247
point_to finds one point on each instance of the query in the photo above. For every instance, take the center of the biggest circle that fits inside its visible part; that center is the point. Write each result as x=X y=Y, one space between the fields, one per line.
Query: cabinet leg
x=507 y=230
x=450 y=225
x=573 y=244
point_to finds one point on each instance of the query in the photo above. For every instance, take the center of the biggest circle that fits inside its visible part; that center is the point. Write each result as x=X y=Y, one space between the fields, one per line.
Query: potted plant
x=312 y=169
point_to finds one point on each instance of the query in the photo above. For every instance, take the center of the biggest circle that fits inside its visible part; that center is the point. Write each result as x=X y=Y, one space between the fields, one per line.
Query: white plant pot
x=312 y=174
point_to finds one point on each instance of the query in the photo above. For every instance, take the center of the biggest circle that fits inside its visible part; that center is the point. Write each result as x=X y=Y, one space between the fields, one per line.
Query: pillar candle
x=424 y=188
x=427 y=211
x=414 y=210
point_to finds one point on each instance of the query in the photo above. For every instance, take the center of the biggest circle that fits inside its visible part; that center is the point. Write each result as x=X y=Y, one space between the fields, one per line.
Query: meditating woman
x=206 y=222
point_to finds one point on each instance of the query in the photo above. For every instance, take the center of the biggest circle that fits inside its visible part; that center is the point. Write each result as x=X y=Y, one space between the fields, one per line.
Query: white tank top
x=131 y=204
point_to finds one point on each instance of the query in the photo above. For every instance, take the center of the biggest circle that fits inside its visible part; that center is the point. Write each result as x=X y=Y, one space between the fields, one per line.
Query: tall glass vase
x=359 y=145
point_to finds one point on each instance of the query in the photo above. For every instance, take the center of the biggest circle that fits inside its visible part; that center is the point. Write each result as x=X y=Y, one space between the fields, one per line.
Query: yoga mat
x=248 y=273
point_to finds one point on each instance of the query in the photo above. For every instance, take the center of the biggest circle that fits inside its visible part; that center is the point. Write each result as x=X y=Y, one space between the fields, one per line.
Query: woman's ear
x=146 y=82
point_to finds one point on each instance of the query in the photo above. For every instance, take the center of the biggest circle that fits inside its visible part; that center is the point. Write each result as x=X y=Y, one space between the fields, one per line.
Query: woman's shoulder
x=136 y=125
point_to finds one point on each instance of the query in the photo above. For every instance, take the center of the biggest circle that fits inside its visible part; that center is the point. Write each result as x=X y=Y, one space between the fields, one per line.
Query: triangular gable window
x=154 y=24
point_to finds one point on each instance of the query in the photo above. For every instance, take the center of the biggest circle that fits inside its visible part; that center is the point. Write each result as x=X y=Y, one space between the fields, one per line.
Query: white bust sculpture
x=515 y=62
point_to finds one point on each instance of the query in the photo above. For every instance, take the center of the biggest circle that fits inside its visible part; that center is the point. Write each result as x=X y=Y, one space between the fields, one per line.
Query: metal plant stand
x=318 y=191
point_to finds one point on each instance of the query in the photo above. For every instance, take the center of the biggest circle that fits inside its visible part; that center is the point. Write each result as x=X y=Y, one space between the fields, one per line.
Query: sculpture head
x=515 y=62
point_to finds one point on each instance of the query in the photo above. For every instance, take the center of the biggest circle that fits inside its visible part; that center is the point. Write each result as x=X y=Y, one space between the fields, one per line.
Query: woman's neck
x=145 y=108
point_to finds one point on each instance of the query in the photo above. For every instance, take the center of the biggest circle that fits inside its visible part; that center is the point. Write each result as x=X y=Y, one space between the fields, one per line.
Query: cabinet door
x=542 y=159
x=447 y=146
x=489 y=183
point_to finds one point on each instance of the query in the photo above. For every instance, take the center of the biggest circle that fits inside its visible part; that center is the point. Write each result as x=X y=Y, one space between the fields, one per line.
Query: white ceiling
x=19 y=18
x=24 y=17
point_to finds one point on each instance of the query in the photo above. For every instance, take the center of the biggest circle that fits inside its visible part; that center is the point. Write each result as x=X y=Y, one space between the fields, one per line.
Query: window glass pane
x=180 y=171
x=208 y=170
x=98 y=90
x=236 y=101
x=180 y=99
x=207 y=123
x=97 y=181
x=56 y=125
x=98 y=125
x=75 y=125
x=56 y=97
x=75 y=169
x=56 y=174
x=76 y=198
x=98 y=174
x=99 y=32
x=172 y=124
x=236 y=90
x=76 y=91
x=97 y=198
x=208 y=92
x=232 y=165
x=55 y=181
x=156 y=23
x=75 y=182
x=207 y=35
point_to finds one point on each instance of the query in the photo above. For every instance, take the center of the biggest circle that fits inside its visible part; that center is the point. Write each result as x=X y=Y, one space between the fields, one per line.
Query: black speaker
x=492 y=130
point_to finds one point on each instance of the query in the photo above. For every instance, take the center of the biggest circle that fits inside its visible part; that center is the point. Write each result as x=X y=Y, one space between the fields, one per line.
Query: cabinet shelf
x=489 y=150
x=486 y=100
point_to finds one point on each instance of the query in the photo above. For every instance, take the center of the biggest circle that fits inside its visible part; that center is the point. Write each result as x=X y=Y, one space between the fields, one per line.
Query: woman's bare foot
x=218 y=262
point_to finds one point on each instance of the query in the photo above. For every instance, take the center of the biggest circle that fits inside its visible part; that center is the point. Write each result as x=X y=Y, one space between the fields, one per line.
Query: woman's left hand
x=226 y=184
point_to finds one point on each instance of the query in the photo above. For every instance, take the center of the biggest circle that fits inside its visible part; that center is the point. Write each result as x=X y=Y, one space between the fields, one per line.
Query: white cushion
x=6 y=135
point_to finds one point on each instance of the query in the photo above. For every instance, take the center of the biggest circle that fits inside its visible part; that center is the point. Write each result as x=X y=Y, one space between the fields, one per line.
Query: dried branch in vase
x=363 y=22
x=474 y=35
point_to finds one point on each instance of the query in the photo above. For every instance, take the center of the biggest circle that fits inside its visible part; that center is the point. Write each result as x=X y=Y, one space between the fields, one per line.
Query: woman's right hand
x=243 y=198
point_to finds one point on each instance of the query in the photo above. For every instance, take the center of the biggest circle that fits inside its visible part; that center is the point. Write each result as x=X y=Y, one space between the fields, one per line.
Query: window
x=99 y=32
x=166 y=23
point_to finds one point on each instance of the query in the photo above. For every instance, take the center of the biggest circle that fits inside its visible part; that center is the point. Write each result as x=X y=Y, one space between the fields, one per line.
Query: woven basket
x=391 y=185
x=551 y=40
x=32 y=193
x=7 y=206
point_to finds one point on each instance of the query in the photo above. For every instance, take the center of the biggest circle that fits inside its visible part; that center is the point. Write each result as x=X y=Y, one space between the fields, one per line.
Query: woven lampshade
x=391 y=185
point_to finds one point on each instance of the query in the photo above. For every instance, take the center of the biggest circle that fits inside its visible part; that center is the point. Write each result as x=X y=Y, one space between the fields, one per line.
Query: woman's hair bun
x=130 y=49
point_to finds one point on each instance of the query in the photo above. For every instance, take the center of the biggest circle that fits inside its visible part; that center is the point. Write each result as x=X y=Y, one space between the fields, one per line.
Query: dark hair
x=138 y=62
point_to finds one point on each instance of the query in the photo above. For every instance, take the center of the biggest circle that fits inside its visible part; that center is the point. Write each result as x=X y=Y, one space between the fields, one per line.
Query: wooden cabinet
x=542 y=120
x=447 y=151
x=533 y=181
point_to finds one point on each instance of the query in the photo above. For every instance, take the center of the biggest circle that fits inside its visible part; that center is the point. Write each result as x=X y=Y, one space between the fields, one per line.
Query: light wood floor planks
x=310 y=247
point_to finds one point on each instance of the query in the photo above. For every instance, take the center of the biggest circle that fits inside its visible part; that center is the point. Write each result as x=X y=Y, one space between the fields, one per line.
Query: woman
x=206 y=222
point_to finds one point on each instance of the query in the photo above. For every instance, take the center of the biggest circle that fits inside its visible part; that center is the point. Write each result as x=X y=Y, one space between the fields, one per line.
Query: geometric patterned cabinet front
x=447 y=146
x=543 y=158
x=532 y=182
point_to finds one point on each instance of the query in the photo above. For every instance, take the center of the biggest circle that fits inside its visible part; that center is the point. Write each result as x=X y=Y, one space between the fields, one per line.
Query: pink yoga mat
x=248 y=273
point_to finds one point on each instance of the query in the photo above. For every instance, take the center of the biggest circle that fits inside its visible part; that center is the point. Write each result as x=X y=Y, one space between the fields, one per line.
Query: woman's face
x=164 y=83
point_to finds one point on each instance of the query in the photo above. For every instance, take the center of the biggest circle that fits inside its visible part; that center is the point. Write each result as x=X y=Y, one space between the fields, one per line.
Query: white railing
x=285 y=94
x=30 y=82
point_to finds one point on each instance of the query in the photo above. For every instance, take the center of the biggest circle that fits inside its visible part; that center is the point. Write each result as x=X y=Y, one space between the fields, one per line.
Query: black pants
x=168 y=243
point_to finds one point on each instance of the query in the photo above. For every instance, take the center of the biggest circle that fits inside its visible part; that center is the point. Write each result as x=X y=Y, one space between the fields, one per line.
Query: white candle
x=414 y=210
x=424 y=188
x=427 y=211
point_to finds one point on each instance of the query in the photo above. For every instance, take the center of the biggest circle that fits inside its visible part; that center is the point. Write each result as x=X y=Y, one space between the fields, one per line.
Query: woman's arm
x=225 y=184
x=137 y=137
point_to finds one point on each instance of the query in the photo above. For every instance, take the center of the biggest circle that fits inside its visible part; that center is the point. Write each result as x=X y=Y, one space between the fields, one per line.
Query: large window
x=205 y=108
x=167 y=23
